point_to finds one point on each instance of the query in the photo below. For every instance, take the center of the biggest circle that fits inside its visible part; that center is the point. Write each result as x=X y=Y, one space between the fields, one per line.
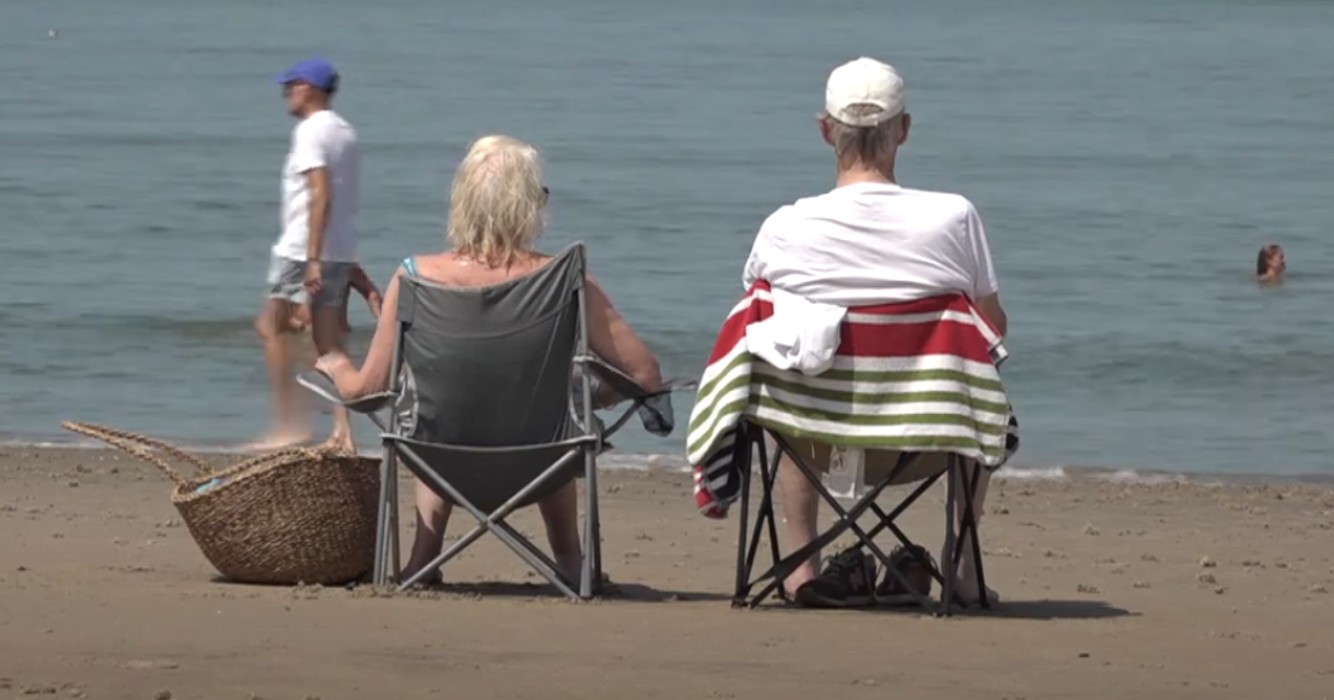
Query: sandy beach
x=1111 y=590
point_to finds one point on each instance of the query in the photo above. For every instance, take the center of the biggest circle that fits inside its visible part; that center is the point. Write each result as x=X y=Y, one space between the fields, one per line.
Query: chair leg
x=587 y=584
x=771 y=511
x=743 y=533
x=463 y=542
x=379 y=569
x=767 y=519
x=538 y=560
x=969 y=530
x=395 y=572
x=951 y=562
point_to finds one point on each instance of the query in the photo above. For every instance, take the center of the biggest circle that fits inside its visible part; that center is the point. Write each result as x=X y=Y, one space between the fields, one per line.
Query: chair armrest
x=654 y=407
x=625 y=386
x=322 y=386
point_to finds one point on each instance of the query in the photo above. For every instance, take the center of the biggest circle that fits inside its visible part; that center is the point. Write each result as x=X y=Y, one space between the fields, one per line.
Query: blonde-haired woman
x=497 y=210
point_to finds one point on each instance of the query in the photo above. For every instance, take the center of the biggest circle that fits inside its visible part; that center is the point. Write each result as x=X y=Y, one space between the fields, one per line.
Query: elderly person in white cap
x=868 y=241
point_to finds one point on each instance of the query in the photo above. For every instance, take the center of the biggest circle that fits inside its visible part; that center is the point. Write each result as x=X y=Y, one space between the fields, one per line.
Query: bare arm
x=991 y=308
x=361 y=282
x=612 y=339
x=317 y=179
x=373 y=377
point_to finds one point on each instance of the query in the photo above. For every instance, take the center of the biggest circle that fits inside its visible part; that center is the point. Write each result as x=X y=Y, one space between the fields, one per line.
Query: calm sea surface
x=1128 y=158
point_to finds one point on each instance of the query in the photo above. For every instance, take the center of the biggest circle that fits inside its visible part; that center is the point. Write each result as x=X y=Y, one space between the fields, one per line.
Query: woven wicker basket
x=293 y=516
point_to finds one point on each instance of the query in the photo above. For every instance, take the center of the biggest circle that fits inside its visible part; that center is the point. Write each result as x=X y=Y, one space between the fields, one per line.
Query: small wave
x=612 y=461
x=1130 y=476
x=644 y=462
x=239 y=329
x=1032 y=473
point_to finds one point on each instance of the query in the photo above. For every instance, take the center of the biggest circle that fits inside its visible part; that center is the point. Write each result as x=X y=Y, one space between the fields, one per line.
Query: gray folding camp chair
x=491 y=406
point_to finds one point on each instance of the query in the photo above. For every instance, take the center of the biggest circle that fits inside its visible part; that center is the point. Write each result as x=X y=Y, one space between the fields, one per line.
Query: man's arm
x=986 y=291
x=360 y=281
x=309 y=157
x=991 y=308
x=317 y=180
x=754 y=270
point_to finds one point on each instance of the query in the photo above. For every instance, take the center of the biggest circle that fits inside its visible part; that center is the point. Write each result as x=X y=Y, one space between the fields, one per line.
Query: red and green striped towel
x=915 y=376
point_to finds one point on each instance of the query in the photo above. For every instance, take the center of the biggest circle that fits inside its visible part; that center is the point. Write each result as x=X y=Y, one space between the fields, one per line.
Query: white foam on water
x=1130 y=476
x=676 y=463
x=644 y=462
x=50 y=444
x=1031 y=474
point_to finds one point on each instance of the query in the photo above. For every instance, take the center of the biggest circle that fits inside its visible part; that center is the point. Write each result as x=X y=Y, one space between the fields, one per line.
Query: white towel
x=801 y=335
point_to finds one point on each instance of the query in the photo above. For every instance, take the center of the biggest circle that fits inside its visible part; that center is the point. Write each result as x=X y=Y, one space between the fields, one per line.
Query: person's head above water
x=1269 y=263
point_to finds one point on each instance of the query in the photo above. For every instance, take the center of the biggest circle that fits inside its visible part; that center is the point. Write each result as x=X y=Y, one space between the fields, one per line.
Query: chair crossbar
x=494 y=522
x=748 y=542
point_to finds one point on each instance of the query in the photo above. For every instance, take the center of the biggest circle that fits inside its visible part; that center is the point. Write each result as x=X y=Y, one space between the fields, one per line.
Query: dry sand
x=1112 y=591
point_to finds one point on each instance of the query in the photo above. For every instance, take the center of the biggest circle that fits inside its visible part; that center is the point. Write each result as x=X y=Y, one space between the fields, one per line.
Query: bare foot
x=341 y=443
x=572 y=568
x=434 y=578
x=279 y=440
x=797 y=579
x=966 y=589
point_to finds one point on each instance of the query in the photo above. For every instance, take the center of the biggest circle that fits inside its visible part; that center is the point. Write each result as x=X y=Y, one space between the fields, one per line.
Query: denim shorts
x=287 y=281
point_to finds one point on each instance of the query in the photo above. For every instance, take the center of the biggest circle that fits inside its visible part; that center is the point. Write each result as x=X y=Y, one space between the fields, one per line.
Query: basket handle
x=134 y=444
x=270 y=458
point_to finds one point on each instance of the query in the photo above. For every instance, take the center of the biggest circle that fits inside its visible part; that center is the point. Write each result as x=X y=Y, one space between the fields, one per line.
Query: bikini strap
x=410 y=264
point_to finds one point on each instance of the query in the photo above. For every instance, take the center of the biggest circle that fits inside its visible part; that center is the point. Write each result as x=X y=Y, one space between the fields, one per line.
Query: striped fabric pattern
x=914 y=376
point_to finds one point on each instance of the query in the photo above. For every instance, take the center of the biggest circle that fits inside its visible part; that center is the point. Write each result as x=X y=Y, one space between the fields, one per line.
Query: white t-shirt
x=321 y=140
x=874 y=243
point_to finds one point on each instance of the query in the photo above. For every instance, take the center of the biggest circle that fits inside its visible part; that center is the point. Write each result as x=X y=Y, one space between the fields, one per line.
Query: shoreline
x=676 y=463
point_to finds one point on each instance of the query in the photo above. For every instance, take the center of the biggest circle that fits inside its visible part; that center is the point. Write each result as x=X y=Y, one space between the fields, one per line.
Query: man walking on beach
x=316 y=251
x=868 y=241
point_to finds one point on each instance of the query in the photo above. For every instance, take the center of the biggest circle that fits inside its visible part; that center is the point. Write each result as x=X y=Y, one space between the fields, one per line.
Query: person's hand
x=299 y=319
x=331 y=362
x=374 y=301
x=313 y=281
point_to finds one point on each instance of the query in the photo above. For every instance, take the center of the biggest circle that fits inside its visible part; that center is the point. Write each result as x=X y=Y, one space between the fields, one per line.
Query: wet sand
x=1111 y=591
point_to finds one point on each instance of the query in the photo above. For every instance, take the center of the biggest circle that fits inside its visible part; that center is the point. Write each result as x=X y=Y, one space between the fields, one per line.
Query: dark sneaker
x=848 y=581
x=915 y=565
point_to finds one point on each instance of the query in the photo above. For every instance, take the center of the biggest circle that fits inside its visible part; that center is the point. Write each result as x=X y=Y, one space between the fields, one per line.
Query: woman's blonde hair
x=497 y=200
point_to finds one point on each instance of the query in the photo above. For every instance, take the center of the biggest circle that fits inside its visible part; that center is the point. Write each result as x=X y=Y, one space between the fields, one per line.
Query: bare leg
x=327 y=324
x=801 y=511
x=560 y=511
x=432 y=517
x=272 y=324
x=967 y=581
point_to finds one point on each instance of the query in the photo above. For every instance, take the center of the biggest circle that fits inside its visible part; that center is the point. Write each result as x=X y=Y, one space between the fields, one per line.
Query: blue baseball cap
x=316 y=72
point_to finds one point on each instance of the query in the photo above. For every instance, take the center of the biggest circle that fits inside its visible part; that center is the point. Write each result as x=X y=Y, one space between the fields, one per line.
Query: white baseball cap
x=864 y=81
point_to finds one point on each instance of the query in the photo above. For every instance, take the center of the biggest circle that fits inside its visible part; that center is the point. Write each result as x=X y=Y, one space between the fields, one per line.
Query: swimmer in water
x=1269 y=264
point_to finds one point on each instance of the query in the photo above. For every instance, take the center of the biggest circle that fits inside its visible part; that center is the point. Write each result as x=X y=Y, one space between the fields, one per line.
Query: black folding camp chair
x=892 y=468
